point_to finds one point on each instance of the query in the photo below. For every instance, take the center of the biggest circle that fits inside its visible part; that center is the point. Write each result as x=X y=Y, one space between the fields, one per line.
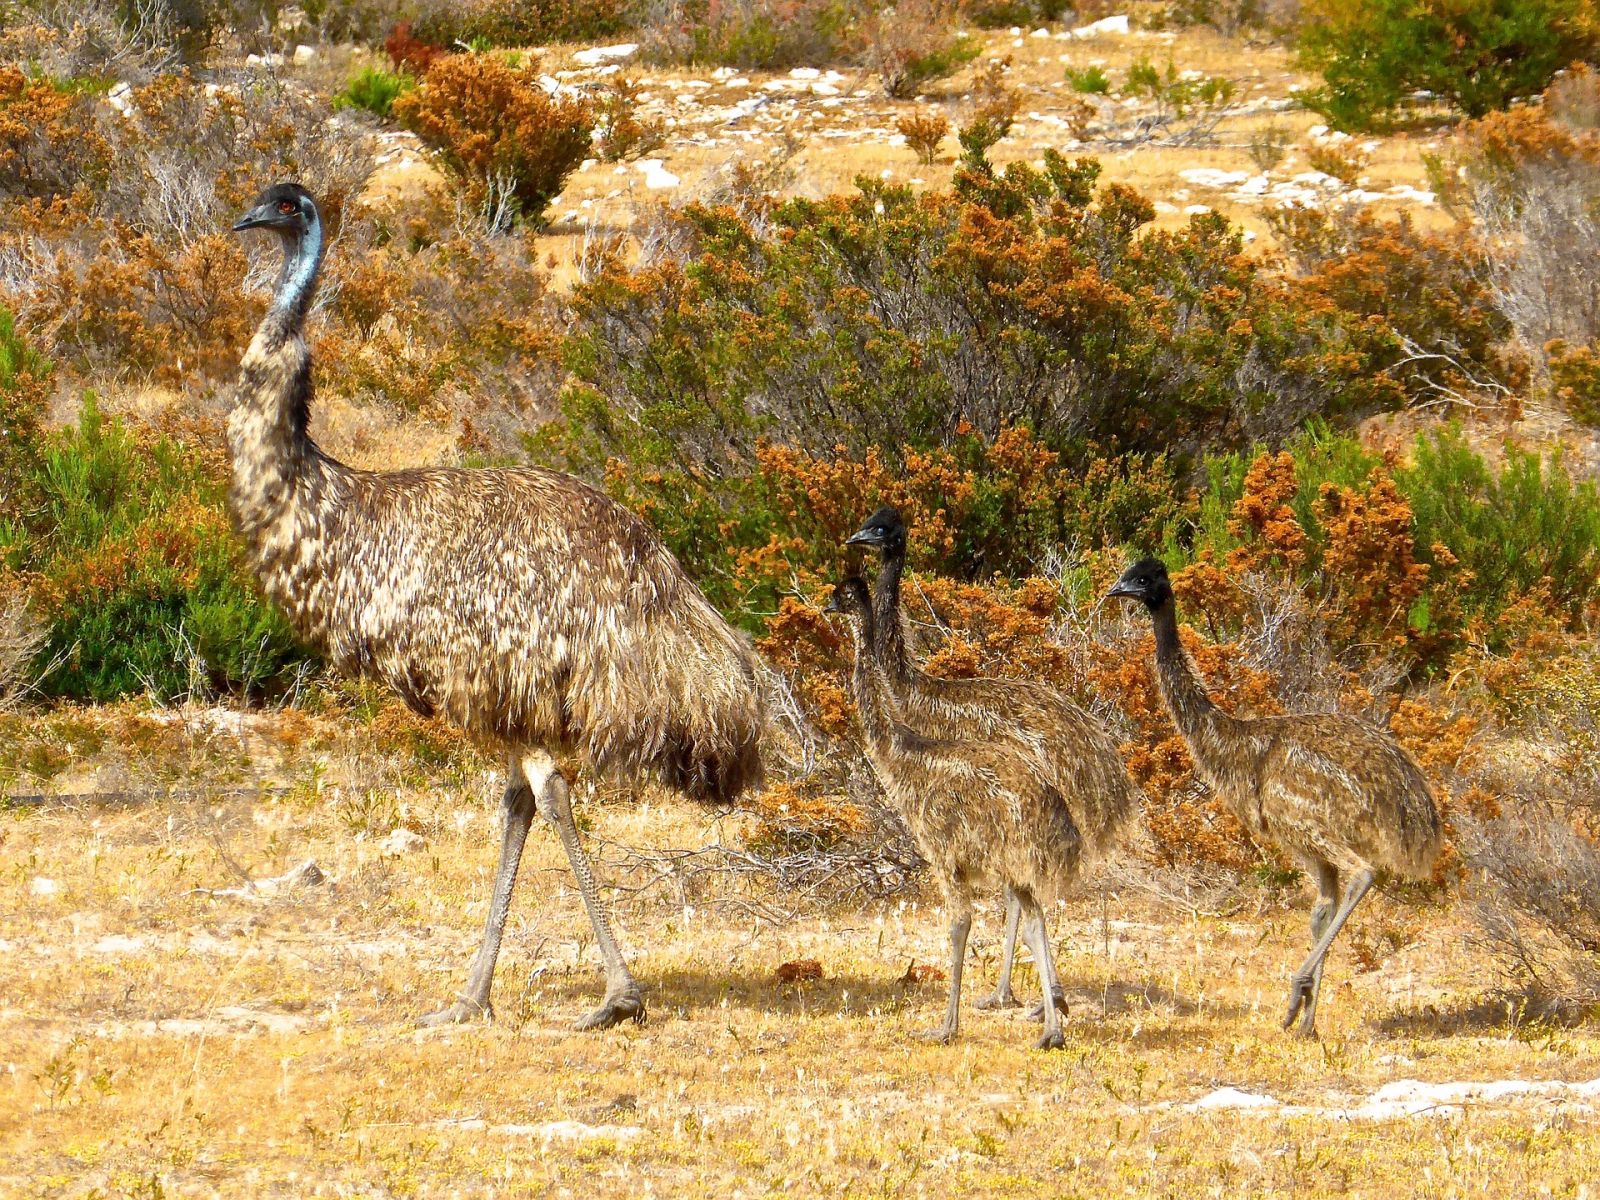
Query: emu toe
x=1302 y=996
x=943 y=1035
x=1000 y=998
x=1053 y=1039
x=1036 y=1013
x=624 y=1006
x=458 y=1013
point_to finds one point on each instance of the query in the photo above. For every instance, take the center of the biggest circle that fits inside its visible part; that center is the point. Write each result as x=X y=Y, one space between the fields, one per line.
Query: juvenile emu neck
x=889 y=639
x=1215 y=739
x=868 y=684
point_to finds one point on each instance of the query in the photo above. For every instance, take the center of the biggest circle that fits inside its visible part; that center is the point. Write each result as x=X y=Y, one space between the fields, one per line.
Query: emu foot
x=1302 y=1004
x=1053 y=1039
x=999 y=998
x=459 y=1013
x=626 y=1005
x=942 y=1036
x=1036 y=1013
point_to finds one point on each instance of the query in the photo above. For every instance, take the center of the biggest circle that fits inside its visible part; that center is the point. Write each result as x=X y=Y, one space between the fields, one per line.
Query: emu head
x=850 y=597
x=883 y=529
x=1146 y=581
x=285 y=208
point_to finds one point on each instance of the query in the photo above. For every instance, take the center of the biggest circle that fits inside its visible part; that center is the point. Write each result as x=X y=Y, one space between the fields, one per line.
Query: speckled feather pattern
x=981 y=812
x=1325 y=787
x=1076 y=753
x=520 y=604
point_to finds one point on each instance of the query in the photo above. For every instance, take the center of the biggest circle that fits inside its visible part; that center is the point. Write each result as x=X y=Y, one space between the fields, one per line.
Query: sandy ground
x=187 y=1011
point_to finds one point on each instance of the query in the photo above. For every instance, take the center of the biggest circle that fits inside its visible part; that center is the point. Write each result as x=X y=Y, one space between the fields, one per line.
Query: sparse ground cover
x=190 y=1010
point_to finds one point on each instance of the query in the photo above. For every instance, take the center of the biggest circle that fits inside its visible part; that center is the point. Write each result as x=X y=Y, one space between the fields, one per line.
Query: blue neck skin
x=302 y=256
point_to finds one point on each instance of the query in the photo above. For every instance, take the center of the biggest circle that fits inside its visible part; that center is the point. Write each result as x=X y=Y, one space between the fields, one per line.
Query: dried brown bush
x=923 y=132
x=914 y=42
x=1539 y=900
x=21 y=636
x=623 y=134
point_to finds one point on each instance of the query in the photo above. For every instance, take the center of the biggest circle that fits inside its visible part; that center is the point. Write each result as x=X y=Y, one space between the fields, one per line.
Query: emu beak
x=1122 y=589
x=255 y=219
x=865 y=537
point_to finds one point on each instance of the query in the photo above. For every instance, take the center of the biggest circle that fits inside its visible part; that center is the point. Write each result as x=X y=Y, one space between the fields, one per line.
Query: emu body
x=980 y=812
x=1336 y=792
x=1077 y=754
x=521 y=605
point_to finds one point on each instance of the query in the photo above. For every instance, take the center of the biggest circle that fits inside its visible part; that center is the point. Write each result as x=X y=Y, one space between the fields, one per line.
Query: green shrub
x=1512 y=530
x=137 y=574
x=913 y=42
x=1092 y=81
x=1478 y=55
x=24 y=389
x=373 y=90
x=1002 y=14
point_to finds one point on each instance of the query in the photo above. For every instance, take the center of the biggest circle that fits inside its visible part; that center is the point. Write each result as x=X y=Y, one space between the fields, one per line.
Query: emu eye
x=285 y=207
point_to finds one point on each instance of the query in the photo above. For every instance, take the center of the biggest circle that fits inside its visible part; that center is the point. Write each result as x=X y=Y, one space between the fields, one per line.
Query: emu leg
x=1321 y=914
x=1049 y=985
x=623 y=1001
x=517 y=809
x=1039 y=942
x=1003 y=996
x=960 y=926
x=1303 y=987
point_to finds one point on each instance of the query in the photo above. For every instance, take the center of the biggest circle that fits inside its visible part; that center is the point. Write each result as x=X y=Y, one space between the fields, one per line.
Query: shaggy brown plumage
x=1077 y=752
x=522 y=605
x=981 y=813
x=1339 y=794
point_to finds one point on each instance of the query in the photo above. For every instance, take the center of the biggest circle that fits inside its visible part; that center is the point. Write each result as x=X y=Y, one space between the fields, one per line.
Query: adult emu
x=1077 y=753
x=521 y=605
x=980 y=812
x=1337 y=793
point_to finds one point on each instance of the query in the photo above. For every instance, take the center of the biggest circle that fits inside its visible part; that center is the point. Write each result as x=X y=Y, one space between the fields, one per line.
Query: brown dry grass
x=160 y=1037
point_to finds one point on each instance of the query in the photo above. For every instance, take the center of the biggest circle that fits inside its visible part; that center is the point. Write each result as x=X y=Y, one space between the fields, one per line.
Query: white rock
x=824 y=89
x=1103 y=26
x=1316 y=131
x=1229 y=1097
x=1196 y=210
x=264 y=60
x=401 y=840
x=587 y=163
x=118 y=944
x=601 y=54
x=1040 y=33
x=304 y=54
x=40 y=886
x=1212 y=177
x=117 y=97
x=1256 y=185
x=655 y=176
x=805 y=73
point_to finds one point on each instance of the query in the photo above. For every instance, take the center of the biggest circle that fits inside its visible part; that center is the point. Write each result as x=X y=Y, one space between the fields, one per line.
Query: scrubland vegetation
x=1360 y=427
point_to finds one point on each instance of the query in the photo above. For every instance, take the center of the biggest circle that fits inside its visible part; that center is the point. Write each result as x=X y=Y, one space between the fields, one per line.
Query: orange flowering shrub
x=495 y=127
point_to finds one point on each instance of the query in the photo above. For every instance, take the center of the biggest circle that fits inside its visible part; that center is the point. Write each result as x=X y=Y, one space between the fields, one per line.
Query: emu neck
x=868 y=684
x=889 y=639
x=273 y=455
x=1212 y=735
